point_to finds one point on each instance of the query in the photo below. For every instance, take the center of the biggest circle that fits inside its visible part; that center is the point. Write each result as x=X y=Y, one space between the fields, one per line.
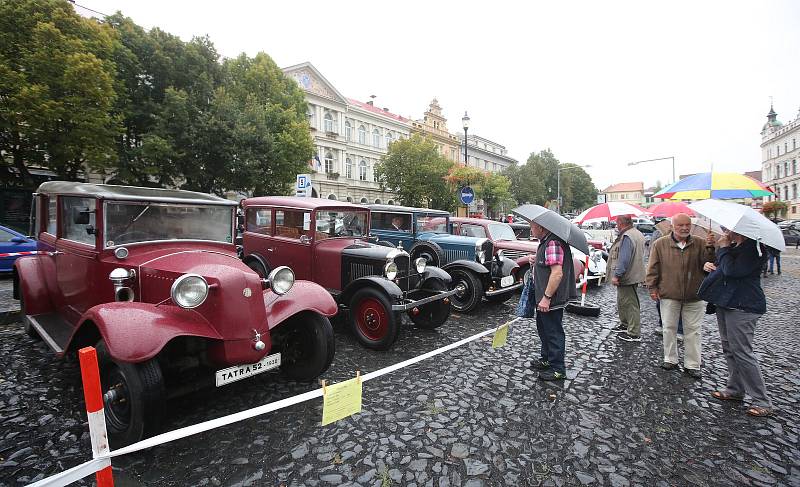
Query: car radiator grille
x=453 y=255
x=515 y=254
x=363 y=270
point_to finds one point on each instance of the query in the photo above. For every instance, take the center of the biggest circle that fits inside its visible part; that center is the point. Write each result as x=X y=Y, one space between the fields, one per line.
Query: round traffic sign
x=467 y=195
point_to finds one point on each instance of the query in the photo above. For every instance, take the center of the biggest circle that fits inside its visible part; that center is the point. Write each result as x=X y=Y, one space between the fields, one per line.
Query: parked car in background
x=470 y=261
x=791 y=236
x=647 y=230
x=597 y=243
x=14 y=245
x=522 y=230
x=151 y=278
x=325 y=241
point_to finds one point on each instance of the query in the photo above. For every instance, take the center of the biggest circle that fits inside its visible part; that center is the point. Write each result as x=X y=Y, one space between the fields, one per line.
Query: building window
x=794 y=166
x=362 y=170
x=786 y=193
x=376 y=138
x=348 y=168
x=329 y=122
x=374 y=174
x=348 y=130
x=389 y=138
x=777 y=171
x=362 y=135
x=794 y=191
x=328 y=162
x=364 y=200
x=332 y=196
x=786 y=169
x=794 y=144
x=310 y=116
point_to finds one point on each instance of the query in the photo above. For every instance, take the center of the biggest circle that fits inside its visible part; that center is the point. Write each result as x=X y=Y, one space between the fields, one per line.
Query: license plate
x=506 y=281
x=239 y=372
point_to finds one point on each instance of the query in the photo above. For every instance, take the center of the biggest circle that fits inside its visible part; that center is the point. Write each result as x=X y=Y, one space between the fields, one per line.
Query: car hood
x=367 y=250
x=521 y=245
x=447 y=238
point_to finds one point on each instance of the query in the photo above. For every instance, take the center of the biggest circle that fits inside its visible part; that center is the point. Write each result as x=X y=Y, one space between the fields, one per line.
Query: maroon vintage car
x=151 y=277
x=506 y=243
x=326 y=241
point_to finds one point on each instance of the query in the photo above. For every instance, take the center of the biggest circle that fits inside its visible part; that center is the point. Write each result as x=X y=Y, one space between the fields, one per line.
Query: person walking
x=552 y=288
x=735 y=288
x=774 y=257
x=657 y=233
x=626 y=264
x=674 y=273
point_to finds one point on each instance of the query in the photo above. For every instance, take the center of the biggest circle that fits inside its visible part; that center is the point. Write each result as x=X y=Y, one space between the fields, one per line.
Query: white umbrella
x=742 y=220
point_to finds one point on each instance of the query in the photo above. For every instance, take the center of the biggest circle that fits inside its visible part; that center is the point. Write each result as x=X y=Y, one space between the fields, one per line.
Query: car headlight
x=189 y=291
x=391 y=270
x=281 y=280
x=421 y=263
x=481 y=256
x=597 y=256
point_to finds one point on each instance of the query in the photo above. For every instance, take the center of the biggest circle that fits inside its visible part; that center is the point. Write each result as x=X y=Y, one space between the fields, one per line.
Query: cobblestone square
x=472 y=416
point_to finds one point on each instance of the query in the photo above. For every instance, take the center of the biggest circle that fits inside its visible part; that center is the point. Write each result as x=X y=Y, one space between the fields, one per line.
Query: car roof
x=406 y=209
x=300 y=202
x=481 y=221
x=11 y=230
x=131 y=193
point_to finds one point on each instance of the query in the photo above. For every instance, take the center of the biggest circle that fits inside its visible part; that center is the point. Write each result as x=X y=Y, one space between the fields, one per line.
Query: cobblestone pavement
x=473 y=416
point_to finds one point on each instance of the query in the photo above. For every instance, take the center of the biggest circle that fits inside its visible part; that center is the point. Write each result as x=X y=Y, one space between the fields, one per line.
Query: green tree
x=775 y=209
x=495 y=191
x=536 y=182
x=57 y=92
x=577 y=189
x=415 y=171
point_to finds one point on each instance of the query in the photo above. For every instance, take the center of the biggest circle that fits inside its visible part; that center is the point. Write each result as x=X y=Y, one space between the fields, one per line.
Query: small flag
x=319 y=163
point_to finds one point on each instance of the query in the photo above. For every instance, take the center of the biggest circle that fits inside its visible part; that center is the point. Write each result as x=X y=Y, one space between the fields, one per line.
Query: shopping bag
x=527 y=301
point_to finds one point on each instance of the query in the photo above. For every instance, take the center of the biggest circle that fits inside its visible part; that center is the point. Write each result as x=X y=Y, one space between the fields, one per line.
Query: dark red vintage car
x=506 y=243
x=151 y=277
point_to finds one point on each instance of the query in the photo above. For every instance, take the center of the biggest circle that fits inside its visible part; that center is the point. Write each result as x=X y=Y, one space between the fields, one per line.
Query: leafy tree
x=774 y=209
x=536 y=181
x=56 y=91
x=492 y=188
x=415 y=171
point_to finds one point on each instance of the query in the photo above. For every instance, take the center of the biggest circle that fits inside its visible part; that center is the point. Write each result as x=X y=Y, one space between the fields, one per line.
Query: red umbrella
x=670 y=208
x=608 y=212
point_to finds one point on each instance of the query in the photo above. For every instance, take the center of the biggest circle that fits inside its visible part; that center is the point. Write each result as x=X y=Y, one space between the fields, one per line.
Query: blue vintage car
x=470 y=261
x=13 y=245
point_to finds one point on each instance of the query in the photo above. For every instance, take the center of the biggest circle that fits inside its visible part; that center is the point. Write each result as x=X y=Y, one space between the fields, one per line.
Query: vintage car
x=151 y=278
x=325 y=241
x=476 y=271
x=505 y=242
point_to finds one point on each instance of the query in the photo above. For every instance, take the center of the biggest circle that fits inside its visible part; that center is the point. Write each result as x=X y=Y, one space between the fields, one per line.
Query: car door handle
x=270 y=249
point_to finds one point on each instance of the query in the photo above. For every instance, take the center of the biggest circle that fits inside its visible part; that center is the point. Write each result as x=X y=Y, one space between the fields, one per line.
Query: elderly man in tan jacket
x=674 y=274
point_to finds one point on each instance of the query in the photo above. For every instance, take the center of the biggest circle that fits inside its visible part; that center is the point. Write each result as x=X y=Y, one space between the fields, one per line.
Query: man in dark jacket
x=553 y=287
x=626 y=264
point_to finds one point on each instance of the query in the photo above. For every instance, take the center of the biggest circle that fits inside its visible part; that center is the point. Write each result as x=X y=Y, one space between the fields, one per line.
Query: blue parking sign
x=467 y=195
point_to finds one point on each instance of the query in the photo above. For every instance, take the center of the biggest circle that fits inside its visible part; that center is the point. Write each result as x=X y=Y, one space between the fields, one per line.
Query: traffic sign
x=303 y=186
x=467 y=195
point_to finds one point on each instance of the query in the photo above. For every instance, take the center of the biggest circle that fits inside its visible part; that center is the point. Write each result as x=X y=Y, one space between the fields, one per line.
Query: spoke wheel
x=374 y=323
x=469 y=291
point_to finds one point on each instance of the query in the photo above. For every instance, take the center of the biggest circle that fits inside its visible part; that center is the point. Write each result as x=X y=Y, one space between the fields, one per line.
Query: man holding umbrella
x=553 y=284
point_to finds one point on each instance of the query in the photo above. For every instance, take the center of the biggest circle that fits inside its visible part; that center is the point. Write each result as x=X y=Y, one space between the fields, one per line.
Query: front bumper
x=408 y=304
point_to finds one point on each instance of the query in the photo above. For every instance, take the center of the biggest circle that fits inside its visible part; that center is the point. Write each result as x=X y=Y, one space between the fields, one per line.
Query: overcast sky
x=599 y=83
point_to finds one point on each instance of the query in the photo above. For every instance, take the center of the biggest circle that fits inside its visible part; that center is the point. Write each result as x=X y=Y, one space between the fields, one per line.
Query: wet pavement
x=473 y=416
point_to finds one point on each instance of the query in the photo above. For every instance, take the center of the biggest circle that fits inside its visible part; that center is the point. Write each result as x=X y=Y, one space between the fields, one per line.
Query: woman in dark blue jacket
x=734 y=286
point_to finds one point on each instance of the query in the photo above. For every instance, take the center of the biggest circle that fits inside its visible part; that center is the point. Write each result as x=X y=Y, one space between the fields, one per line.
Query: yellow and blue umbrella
x=715 y=185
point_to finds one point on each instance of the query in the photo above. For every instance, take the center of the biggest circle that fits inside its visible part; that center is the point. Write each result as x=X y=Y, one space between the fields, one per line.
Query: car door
x=383 y=223
x=76 y=257
x=292 y=241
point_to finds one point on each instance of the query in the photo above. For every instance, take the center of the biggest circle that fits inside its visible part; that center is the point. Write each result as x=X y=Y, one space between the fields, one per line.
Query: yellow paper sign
x=341 y=400
x=500 y=336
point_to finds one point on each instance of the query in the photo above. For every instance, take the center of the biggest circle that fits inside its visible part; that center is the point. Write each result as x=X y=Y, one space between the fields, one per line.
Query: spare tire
x=587 y=309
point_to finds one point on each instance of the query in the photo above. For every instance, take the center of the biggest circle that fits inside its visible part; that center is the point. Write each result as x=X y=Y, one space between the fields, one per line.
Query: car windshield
x=129 y=222
x=430 y=223
x=340 y=223
x=501 y=231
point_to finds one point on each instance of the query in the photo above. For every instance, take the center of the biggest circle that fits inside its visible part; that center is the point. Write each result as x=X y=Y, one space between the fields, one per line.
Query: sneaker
x=693 y=373
x=680 y=337
x=552 y=375
x=669 y=366
x=619 y=329
x=539 y=364
x=629 y=338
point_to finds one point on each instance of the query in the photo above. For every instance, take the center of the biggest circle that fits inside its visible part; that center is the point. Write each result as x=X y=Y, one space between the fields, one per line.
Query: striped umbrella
x=717 y=185
x=608 y=212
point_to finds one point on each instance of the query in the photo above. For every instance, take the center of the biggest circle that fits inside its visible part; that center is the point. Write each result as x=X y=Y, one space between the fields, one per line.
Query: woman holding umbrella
x=734 y=286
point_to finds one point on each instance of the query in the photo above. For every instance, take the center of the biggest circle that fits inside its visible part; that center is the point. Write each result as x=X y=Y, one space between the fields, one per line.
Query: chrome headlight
x=421 y=263
x=189 y=291
x=281 y=280
x=390 y=270
x=597 y=256
x=481 y=256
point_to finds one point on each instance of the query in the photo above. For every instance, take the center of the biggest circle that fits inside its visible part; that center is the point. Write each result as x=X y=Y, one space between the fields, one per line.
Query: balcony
x=332 y=176
x=331 y=134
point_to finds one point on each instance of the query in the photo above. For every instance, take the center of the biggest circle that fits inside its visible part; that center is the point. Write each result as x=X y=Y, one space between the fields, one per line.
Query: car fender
x=435 y=273
x=432 y=247
x=304 y=296
x=471 y=266
x=507 y=267
x=258 y=258
x=135 y=332
x=391 y=289
x=31 y=284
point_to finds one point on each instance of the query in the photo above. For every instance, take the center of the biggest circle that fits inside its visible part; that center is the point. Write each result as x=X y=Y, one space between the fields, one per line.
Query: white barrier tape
x=92 y=466
x=74 y=474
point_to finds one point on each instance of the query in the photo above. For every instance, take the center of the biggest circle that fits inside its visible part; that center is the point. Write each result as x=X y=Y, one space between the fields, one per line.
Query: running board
x=53 y=329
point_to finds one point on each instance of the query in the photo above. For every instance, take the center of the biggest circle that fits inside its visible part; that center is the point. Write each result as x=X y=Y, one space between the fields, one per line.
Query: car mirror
x=81 y=217
x=19 y=239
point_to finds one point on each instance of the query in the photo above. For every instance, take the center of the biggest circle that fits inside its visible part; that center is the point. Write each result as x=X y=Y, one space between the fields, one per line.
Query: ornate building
x=350 y=137
x=780 y=150
x=485 y=154
x=434 y=125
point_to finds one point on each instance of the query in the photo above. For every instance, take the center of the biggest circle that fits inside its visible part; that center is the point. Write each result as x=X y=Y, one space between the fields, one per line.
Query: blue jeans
x=551 y=334
x=661 y=324
x=772 y=259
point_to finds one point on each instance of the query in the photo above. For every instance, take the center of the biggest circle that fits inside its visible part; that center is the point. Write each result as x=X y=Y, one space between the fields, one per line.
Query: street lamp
x=658 y=159
x=465 y=124
x=558 y=184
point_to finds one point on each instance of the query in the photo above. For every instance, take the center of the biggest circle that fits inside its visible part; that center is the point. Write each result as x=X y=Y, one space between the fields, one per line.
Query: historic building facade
x=434 y=126
x=485 y=154
x=780 y=151
x=625 y=193
x=350 y=137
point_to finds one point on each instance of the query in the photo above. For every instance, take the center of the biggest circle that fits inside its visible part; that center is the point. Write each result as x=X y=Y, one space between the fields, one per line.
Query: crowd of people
x=686 y=276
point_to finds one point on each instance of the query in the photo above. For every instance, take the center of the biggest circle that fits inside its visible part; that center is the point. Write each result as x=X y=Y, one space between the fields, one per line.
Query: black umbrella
x=556 y=224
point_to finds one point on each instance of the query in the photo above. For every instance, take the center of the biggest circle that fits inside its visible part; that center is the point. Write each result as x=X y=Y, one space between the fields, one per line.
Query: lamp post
x=558 y=182
x=658 y=159
x=465 y=124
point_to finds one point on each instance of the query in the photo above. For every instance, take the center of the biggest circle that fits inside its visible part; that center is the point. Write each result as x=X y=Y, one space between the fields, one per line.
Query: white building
x=780 y=150
x=350 y=137
x=485 y=154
